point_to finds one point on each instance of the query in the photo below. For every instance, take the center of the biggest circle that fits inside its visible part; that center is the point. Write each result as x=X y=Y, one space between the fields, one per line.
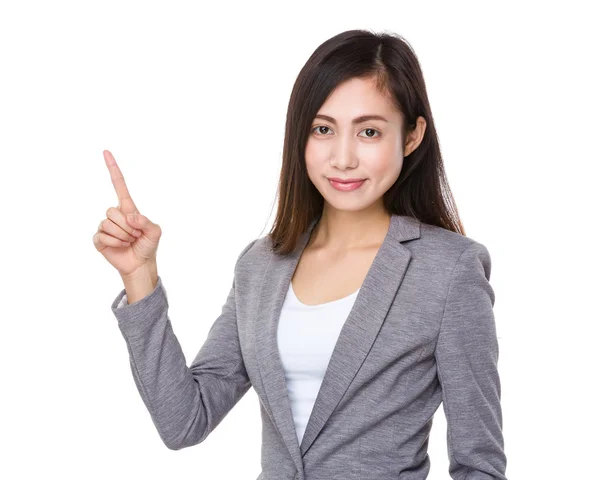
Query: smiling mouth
x=346 y=186
x=349 y=180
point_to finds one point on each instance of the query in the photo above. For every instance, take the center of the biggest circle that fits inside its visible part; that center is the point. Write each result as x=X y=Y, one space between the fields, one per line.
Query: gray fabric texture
x=421 y=333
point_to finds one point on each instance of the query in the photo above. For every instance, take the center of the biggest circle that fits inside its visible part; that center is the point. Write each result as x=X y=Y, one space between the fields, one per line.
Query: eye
x=372 y=130
x=319 y=127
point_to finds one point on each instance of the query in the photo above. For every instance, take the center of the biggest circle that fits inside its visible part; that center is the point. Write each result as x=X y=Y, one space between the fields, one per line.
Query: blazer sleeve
x=185 y=403
x=467 y=359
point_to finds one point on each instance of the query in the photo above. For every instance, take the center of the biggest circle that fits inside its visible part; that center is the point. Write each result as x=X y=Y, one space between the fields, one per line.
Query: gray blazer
x=420 y=333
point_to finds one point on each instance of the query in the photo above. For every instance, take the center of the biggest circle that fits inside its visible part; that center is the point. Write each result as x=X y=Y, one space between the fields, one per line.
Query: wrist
x=140 y=283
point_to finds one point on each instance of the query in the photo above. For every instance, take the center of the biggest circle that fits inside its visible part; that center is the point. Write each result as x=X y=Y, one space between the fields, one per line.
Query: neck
x=345 y=230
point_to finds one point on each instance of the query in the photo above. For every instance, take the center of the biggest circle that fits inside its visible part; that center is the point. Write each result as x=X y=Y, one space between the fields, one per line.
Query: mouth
x=346 y=180
x=346 y=185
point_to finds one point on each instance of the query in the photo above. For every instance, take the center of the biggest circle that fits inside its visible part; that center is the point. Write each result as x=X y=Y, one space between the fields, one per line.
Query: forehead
x=358 y=96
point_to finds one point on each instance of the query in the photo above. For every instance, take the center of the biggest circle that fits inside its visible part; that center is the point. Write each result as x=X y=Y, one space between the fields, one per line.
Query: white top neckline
x=297 y=300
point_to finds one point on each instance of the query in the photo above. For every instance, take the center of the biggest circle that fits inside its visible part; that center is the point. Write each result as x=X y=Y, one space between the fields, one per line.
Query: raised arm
x=185 y=403
x=467 y=359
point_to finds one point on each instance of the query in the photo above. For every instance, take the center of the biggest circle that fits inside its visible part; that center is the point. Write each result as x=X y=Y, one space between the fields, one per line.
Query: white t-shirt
x=306 y=337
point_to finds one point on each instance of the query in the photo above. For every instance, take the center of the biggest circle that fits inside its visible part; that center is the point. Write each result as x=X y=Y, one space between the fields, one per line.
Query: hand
x=129 y=244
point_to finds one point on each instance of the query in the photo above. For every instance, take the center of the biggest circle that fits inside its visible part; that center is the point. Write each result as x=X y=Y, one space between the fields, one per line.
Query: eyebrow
x=361 y=119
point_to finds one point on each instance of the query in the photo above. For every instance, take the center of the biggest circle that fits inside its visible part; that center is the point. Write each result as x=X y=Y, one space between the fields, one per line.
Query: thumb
x=143 y=223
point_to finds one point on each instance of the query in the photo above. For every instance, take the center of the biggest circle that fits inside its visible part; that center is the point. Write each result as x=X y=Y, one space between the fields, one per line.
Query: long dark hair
x=421 y=191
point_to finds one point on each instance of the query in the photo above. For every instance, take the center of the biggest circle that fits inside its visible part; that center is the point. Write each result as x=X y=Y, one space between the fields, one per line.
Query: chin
x=348 y=205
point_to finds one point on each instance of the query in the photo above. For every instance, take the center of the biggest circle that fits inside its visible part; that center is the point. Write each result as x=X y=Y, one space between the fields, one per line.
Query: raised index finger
x=118 y=182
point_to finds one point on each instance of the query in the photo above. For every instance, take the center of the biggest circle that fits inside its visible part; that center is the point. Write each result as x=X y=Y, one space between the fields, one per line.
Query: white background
x=191 y=99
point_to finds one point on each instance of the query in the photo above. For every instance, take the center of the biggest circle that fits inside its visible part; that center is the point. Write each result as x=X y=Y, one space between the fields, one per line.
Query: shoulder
x=250 y=266
x=439 y=239
x=252 y=255
x=441 y=250
x=435 y=237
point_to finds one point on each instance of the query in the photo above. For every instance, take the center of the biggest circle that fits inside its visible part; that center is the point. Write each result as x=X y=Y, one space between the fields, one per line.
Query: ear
x=415 y=136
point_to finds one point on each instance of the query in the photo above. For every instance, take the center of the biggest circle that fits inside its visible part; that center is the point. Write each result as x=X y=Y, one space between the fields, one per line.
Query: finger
x=118 y=217
x=118 y=181
x=103 y=240
x=144 y=224
x=110 y=227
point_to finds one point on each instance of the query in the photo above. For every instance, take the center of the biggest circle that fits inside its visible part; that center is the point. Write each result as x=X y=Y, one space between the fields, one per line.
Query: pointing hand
x=126 y=238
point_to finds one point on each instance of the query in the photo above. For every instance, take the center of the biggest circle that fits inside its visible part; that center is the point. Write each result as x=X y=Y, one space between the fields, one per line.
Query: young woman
x=363 y=309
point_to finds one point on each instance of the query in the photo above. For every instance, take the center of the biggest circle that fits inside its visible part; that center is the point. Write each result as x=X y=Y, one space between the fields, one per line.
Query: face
x=344 y=146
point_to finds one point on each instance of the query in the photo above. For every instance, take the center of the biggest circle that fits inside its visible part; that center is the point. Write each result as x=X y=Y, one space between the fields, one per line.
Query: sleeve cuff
x=138 y=316
x=123 y=301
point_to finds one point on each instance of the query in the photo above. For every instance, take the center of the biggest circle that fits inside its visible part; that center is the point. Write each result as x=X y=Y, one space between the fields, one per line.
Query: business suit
x=421 y=330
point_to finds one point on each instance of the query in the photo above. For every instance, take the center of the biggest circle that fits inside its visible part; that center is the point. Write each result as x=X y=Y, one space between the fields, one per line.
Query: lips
x=346 y=185
x=347 y=180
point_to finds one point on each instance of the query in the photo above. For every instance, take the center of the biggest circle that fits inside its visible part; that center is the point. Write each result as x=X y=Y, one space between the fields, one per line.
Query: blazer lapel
x=354 y=342
x=276 y=281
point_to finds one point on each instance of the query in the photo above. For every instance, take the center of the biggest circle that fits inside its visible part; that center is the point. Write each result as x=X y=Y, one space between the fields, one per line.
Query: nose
x=343 y=155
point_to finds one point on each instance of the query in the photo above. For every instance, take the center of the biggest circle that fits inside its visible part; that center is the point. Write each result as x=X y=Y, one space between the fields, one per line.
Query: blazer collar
x=356 y=337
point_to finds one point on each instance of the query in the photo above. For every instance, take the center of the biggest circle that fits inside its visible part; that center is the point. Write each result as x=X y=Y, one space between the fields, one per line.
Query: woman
x=363 y=309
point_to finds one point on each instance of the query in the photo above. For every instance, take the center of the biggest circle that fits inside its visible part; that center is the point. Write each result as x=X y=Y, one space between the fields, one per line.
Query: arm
x=467 y=358
x=185 y=403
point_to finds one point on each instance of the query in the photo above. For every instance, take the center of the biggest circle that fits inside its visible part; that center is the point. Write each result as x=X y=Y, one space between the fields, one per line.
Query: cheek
x=310 y=151
x=383 y=162
x=388 y=168
x=313 y=157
